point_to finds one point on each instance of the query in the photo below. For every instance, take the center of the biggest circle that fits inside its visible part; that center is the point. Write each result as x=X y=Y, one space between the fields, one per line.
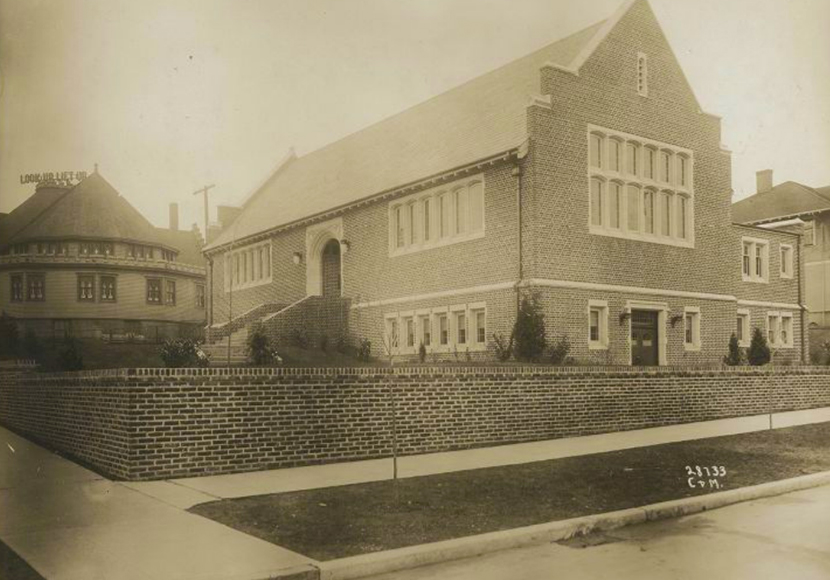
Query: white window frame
x=472 y=330
x=602 y=307
x=810 y=233
x=403 y=342
x=694 y=311
x=391 y=341
x=437 y=314
x=785 y=252
x=250 y=275
x=754 y=243
x=643 y=183
x=415 y=241
x=779 y=318
x=746 y=327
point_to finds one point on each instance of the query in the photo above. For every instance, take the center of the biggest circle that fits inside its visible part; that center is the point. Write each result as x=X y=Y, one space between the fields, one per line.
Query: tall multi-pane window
x=16 y=288
x=200 y=296
x=480 y=321
x=461 y=328
x=36 y=287
x=411 y=218
x=443 y=329
x=409 y=328
x=624 y=199
x=426 y=216
x=399 y=227
x=248 y=266
x=597 y=187
x=86 y=288
x=153 y=290
x=444 y=212
x=107 y=293
x=170 y=292
x=772 y=329
x=426 y=330
x=747 y=252
x=476 y=203
x=460 y=211
x=786 y=261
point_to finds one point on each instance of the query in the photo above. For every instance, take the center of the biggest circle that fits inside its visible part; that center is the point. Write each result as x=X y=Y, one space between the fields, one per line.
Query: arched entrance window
x=331 y=268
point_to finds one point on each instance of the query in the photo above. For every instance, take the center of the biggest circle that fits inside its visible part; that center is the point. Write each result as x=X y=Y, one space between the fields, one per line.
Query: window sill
x=755 y=280
x=247 y=285
x=691 y=347
x=440 y=243
x=786 y=276
x=639 y=237
x=597 y=346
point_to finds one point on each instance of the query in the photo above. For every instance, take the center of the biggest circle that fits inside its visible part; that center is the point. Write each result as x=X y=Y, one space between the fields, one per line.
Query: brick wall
x=158 y=423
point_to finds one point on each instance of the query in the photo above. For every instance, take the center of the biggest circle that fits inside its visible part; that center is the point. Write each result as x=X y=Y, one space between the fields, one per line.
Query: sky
x=167 y=96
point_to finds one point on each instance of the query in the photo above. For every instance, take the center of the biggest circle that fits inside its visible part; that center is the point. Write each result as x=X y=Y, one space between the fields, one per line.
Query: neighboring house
x=81 y=261
x=792 y=206
x=584 y=172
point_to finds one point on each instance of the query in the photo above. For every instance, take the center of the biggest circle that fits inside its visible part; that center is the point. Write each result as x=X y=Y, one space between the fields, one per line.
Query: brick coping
x=447 y=370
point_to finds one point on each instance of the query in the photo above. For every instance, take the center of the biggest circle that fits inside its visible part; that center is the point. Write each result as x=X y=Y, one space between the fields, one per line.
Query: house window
x=426 y=331
x=425 y=212
x=786 y=261
x=409 y=329
x=86 y=288
x=460 y=211
x=461 y=328
x=170 y=292
x=642 y=74
x=648 y=211
x=107 y=289
x=153 y=291
x=615 y=152
x=626 y=207
x=755 y=260
x=16 y=288
x=200 y=296
x=780 y=329
x=597 y=324
x=443 y=330
x=456 y=215
x=691 y=328
x=632 y=159
x=742 y=328
x=596 y=155
x=480 y=321
x=36 y=287
x=250 y=266
x=391 y=334
x=615 y=204
x=597 y=187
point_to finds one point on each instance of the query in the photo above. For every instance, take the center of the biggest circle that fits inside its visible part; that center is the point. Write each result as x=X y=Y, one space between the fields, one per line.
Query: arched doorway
x=331 y=268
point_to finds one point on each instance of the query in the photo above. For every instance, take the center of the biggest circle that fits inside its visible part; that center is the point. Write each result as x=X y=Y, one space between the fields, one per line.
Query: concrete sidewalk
x=187 y=492
x=70 y=524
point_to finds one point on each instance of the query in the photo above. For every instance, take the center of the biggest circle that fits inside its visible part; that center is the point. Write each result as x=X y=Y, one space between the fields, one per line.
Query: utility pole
x=204 y=191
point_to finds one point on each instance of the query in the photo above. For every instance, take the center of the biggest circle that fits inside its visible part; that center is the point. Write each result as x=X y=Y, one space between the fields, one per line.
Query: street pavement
x=786 y=536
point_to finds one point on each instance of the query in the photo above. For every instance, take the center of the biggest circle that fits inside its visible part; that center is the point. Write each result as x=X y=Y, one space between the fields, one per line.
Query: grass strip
x=357 y=519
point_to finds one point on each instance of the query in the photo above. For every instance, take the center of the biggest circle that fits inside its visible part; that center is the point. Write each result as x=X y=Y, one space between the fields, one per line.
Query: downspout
x=517 y=171
x=801 y=279
x=209 y=293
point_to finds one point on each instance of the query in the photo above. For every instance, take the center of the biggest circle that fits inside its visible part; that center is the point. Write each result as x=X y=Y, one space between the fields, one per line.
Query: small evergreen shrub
x=422 y=353
x=323 y=343
x=69 y=356
x=504 y=347
x=529 y=330
x=759 y=352
x=342 y=345
x=182 y=353
x=32 y=346
x=364 y=351
x=559 y=351
x=9 y=337
x=259 y=351
x=299 y=338
x=734 y=357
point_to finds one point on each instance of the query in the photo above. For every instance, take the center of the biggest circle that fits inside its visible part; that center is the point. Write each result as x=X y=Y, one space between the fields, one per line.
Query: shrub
x=735 y=356
x=9 y=337
x=69 y=357
x=299 y=338
x=422 y=353
x=259 y=351
x=32 y=347
x=364 y=351
x=342 y=345
x=504 y=347
x=323 y=343
x=559 y=351
x=759 y=353
x=529 y=330
x=182 y=353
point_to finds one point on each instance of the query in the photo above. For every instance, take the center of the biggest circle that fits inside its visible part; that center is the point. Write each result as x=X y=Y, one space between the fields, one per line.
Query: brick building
x=81 y=261
x=584 y=172
x=792 y=206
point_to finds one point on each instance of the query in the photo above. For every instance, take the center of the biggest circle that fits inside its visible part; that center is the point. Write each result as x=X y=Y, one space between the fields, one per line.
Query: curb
x=433 y=553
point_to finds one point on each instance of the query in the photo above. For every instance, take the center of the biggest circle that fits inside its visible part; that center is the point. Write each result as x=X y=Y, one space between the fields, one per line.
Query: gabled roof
x=92 y=209
x=472 y=122
x=786 y=200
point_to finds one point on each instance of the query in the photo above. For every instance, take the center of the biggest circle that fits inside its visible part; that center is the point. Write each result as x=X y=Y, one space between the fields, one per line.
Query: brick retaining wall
x=159 y=423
